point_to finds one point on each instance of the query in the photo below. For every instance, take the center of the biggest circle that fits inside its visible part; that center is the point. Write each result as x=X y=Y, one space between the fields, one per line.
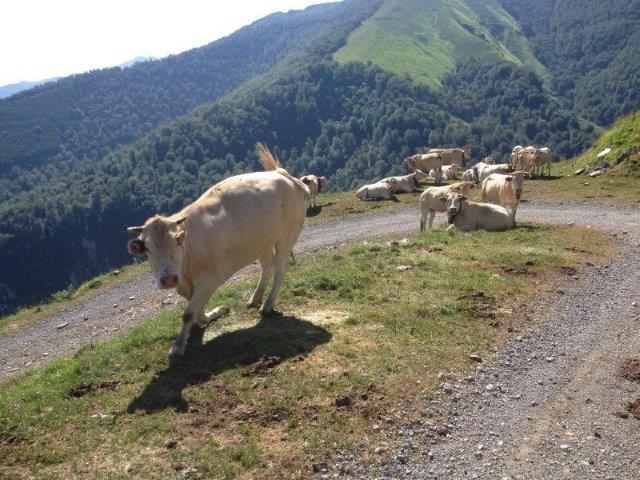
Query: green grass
x=69 y=297
x=355 y=326
x=622 y=137
x=425 y=38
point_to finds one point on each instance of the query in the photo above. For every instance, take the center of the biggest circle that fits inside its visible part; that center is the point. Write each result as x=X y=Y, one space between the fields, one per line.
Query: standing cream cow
x=426 y=162
x=468 y=216
x=255 y=216
x=504 y=190
x=453 y=155
x=434 y=200
x=316 y=186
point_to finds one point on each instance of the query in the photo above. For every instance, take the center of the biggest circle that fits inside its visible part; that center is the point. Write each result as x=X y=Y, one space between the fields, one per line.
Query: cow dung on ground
x=634 y=408
x=630 y=369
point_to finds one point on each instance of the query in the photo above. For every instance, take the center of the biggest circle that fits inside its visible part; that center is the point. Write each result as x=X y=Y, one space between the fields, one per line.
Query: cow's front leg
x=192 y=313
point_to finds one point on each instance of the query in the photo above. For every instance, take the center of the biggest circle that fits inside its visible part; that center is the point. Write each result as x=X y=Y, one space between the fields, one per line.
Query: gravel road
x=552 y=405
x=118 y=310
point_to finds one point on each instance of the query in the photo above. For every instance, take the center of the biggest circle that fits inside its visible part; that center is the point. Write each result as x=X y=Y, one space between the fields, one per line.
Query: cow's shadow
x=317 y=210
x=277 y=336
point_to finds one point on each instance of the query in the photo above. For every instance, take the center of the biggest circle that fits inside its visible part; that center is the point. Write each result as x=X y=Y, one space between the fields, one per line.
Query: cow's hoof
x=254 y=304
x=269 y=313
x=177 y=350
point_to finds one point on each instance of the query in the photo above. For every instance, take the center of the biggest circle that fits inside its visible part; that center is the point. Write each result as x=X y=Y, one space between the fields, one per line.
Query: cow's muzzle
x=452 y=214
x=169 y=281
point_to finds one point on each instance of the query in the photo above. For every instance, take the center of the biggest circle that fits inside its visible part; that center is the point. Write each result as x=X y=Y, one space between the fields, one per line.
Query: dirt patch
x=630 y=369
x=264 y=364
x=86 y=388
x=326 y=317
x=480 y=304
x=634 y=408
x=516 y=270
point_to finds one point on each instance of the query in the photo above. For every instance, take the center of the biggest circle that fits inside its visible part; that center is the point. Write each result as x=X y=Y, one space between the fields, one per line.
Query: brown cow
x=254 y=216
x=452 y=156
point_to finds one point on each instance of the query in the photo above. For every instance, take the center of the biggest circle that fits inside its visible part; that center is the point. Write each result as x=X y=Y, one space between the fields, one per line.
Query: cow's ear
x=180 y=237
x=463 y=198
x=136 y=247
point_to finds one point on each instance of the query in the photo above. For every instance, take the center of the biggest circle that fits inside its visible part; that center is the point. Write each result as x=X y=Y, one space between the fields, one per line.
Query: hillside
x=591 y=50
x=623 y=138
x=425 y=39
x=48 y=130
x=352 y=121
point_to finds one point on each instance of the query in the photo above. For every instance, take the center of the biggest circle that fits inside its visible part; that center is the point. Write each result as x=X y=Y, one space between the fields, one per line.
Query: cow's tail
x=270 y=163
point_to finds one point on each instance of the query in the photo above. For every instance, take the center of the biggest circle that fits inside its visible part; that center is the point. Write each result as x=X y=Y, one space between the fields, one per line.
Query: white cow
x=425 y=163
x=468 y=216
x=434 y=200
x=406 y=183
x=254 y=216
x=316 y=186
x=483 y=171
x=504 y=190
x=378 y=191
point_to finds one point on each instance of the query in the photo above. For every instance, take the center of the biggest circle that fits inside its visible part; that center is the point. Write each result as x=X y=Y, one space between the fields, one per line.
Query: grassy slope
x=358 y=328
x=424 y=38
x=621 y=185
x=621 y=137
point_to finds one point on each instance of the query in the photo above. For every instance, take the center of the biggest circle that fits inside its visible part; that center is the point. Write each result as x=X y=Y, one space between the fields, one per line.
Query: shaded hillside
x=84 y=117
x=592 y=50
x=425 y=38
x=352 y=123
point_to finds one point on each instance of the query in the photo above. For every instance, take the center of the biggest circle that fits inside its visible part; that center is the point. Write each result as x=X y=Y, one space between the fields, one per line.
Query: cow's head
x=161 y=239
x=518 y=182
x=466 y=154
x=419 y=175
x=454 y=204
x=463 y=187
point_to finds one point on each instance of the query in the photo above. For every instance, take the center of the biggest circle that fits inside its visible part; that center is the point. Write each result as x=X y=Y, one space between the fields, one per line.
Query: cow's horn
x=135 y=229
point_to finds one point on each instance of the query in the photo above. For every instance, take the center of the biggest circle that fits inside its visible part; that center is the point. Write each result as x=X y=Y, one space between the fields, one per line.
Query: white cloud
x=45 y=38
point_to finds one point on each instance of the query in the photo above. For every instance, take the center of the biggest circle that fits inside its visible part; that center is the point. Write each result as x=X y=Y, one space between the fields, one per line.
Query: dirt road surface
x=554 y=405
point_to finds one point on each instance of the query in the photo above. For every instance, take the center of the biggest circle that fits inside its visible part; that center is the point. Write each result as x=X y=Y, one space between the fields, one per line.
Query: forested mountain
x=591 y=48
x=84 y=117
x=351 y=120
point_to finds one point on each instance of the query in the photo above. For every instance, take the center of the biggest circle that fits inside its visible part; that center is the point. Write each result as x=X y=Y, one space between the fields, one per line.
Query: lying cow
x=378 y=191
x=452 y=156
x=449 y=172
x=254 y=216
x=316 y=186
x=434 y=200
x=406 y=183
x=468 y=216
x=504 y=190
x=425 y=163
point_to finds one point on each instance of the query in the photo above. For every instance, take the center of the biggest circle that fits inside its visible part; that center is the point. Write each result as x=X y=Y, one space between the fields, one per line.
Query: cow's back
x=240 y=219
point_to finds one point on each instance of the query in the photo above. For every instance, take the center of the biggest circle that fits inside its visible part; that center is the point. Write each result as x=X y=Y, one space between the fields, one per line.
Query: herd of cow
x=259 y=216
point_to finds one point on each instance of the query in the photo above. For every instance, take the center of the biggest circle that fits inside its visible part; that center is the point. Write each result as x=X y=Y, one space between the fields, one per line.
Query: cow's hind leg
x=193 y=312
x=266 y=263
x=282 y=249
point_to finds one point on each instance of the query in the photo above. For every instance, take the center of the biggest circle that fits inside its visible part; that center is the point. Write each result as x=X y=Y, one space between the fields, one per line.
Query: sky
x=42 y=39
